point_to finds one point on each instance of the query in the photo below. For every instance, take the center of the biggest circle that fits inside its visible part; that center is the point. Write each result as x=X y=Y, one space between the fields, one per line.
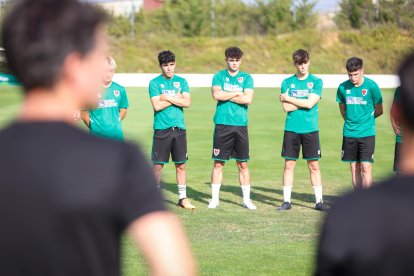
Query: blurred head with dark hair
x=355 y=69
x=52 y=44
x=406 y=74
x=166 y=60
x=233 y=59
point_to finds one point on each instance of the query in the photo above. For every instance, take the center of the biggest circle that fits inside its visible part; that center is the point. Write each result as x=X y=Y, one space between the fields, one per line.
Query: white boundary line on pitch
x=260 y=80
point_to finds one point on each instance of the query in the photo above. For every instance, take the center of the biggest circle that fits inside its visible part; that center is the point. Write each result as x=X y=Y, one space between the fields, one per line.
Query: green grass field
x=231 y=240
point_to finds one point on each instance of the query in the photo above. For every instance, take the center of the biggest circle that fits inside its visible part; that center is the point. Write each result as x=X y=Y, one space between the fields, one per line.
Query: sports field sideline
x=231 y=240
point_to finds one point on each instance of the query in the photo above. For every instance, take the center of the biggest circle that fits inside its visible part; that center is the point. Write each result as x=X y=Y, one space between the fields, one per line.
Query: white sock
x=287 y=193
x=182 y=191
x=215 y=191
x=246 y=192
x=318 y=194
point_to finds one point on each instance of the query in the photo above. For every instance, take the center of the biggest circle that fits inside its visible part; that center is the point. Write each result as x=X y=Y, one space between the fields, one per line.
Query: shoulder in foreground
x=396 y=189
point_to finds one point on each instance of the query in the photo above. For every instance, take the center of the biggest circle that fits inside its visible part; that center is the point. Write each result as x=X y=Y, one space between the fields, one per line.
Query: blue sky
x=321 y=5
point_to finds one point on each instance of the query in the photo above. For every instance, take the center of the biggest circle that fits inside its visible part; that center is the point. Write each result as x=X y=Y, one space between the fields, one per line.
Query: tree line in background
x=222 y=18
x=368 y=13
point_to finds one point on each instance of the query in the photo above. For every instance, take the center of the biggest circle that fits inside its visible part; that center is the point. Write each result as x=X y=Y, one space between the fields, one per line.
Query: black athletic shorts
x=169 y=141
x=311 y=149
x=397 y=156
x=358 y=149
x=231 y=142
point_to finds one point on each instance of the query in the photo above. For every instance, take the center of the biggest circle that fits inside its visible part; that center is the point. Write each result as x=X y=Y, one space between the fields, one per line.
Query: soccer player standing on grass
x=105 y=119
x=360 y=102
x=233 y=91
x=395 y=122
x=300 y=95
x=66 y=197
x=169 y=95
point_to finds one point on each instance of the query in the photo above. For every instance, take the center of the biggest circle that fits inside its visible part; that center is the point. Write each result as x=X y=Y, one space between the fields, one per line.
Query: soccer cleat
x=249 y=205
x=185 y=203
x=321 y=207
x=285 y=206
x=213 y=204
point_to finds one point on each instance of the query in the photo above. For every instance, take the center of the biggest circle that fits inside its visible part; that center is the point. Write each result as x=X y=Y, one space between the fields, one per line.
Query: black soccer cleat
x=285 y=206
x=321 y=207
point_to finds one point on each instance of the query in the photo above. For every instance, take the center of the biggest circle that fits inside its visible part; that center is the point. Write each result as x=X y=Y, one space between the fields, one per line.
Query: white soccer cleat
x=249 y=205
x=213 y=204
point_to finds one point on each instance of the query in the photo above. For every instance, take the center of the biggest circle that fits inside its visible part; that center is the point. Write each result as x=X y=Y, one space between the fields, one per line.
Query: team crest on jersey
x=310 y=85
x=240 y=80
x=364 y=92
x=176 y=84
x=117 y=93
x=216 y=152
x=292 y=85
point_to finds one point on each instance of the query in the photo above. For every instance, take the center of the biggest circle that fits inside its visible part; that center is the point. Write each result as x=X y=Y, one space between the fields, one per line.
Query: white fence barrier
x=260 y=80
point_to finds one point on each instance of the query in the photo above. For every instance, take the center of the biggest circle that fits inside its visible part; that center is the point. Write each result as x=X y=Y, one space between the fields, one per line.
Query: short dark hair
x=354 y=64
x=233 y=52
x=300 y=56
x=39 y=34
x=166 y=57
x=406 y=74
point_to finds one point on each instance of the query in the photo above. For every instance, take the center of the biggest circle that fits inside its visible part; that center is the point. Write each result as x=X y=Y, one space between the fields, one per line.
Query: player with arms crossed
x=300 y=96
x=395 y=115
x=233 y=91
x=169 y=94
x=360 y=102
x=105 y=119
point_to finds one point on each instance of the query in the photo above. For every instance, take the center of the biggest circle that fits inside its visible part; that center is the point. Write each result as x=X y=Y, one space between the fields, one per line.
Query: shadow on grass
x=192 y=194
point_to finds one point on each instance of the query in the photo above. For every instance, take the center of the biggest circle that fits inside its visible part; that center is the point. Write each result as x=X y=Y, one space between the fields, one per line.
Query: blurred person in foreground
x=371 y=232
x=66 y=197
x=104 y=119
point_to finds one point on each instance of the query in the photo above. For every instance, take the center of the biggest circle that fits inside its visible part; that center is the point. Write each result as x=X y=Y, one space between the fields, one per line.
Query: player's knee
x=180 y=167
x=290 y=165
x=366 y=167
x=313 y=166
x=242 y=166
x=218 y=165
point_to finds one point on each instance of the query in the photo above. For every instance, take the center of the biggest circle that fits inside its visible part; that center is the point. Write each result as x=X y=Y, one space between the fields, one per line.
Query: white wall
x=260 y=80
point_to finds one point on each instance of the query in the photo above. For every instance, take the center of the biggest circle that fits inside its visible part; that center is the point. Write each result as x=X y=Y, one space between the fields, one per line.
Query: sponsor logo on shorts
x=319 y=152
x=176 y=84
x=216 y=152
x=343 y=153
x=310 y=85
x=364 y=92
x=117 y=93
x=240 y=80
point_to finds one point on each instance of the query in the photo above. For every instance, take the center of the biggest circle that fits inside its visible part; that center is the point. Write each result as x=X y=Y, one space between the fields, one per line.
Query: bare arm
x=183 y=100
x=159 y=104
x=342 y=109
x=220 y=95
x=122 y=113
x=395 y=125
x=301 y=103
x=246 y=98
x=378 y=110
x=163 y=243
x=288 y=107
x=85 y=118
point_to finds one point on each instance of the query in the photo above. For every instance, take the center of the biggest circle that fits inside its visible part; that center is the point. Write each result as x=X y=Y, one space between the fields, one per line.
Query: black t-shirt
x=65 y=199
x=370 y=232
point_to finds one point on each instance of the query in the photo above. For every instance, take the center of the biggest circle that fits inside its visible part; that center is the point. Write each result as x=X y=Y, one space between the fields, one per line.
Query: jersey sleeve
x=284 y=87
x=396 y=98
x=124 y=99
x=340 y=95
x=249 y=84
x=376 y=94
x=217 y=80
x=138 y=194
x=153 y=90
x=317 y=89
x=184 y=86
